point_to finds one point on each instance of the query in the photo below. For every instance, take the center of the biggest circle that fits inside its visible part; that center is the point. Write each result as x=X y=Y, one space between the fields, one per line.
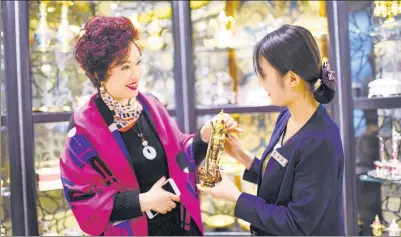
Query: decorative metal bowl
x=220 y=221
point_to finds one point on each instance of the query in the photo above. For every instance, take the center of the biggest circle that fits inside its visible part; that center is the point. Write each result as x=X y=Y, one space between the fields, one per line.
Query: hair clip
x=328 y=76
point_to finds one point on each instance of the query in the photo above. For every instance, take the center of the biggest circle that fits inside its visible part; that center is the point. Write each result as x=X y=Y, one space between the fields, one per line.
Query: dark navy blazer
x=305 y=196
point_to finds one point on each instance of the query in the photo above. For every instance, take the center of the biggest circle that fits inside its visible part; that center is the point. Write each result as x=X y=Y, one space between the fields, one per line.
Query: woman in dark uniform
x=300 y=174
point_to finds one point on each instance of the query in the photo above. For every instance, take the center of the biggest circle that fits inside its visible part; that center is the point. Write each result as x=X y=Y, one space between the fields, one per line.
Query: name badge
x=279 y=158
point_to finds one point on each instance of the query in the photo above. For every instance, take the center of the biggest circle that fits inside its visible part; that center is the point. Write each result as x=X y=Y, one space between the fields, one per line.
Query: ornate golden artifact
x=210 y=172
x=387 y=9
x=220 y=221
x=377 y=227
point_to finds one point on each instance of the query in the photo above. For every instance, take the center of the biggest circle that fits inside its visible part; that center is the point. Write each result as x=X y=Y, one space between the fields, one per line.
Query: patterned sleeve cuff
x=199 y=148
x=126 y=206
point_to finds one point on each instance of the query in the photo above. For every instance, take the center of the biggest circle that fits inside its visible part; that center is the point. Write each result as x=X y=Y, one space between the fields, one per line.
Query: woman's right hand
x=157 y=199
x=234 y=149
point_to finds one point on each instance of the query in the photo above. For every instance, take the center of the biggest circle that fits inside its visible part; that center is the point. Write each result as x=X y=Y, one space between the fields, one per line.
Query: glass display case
x=375 y=40
x=224 y=33
x=209 y=43
x=59 y=86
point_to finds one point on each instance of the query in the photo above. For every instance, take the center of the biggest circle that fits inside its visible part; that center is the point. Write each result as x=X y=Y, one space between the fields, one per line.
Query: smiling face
x=123 y=79
x=282 y=90
x=271 y=80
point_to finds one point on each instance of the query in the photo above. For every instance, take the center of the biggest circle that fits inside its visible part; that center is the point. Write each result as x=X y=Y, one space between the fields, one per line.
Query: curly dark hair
x=104 y=44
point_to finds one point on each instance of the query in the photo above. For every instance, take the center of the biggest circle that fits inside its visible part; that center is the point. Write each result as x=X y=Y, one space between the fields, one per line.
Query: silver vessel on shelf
x=385 y=87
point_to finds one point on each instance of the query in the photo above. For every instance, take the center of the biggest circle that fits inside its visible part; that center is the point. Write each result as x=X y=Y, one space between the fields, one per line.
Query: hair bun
x=324 y=94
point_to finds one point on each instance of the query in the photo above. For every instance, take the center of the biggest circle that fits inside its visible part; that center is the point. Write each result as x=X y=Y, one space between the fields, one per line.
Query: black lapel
x=147 y=113
x=274 y=139
x=107 y=115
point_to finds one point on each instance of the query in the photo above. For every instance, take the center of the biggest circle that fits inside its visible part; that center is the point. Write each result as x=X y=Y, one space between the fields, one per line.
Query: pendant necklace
x=148 y=151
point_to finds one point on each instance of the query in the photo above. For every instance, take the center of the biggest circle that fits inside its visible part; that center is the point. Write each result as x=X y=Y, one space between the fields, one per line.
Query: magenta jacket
x=92 y=137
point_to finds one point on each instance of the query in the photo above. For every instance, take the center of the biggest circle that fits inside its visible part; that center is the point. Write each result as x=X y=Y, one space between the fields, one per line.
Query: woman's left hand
x=230 y=124
x=224 y=190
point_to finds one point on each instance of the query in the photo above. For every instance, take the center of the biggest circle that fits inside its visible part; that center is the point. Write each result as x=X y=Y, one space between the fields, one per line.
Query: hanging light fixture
x=64 y=38
x=64 y=35
x=221 y=32
x=155 y=41
x=135 y=20
x=387 y=9
x=43 y=34
x=317 y=25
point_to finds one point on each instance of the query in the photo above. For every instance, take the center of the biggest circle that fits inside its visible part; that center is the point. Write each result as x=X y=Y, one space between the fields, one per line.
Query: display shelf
x=223 y=49
x=241 y=109
x=228 y=233
x=368 y=178
x=205 y=110
x=377 y=103
x=391 y=197
x=235 y=230
x=51 y=117
x=54 y=117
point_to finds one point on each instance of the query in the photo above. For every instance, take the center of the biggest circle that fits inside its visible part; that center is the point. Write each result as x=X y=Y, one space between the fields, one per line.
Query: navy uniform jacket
x=305 y=196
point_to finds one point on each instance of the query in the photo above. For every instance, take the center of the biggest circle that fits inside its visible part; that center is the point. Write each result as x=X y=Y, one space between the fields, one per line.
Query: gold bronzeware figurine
x=377 y=227
x=210 y=172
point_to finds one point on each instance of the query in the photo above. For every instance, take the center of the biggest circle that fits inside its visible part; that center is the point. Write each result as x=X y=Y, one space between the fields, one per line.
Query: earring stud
x=102 y=86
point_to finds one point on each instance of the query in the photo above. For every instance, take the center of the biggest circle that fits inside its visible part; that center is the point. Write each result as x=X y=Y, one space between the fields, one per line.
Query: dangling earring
x=102 y=87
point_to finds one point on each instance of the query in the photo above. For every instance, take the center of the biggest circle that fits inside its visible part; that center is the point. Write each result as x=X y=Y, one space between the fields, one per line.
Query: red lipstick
x=133 y=86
